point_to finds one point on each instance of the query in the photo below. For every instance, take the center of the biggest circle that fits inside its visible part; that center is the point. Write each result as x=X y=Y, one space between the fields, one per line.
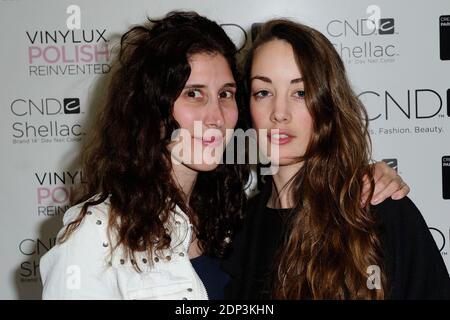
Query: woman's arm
x=77 y=268
x=414 y=265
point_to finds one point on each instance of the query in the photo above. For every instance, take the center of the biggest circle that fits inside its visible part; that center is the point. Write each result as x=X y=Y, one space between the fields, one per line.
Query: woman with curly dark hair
x=147 y=214
x=152 y=221
x=307 y=235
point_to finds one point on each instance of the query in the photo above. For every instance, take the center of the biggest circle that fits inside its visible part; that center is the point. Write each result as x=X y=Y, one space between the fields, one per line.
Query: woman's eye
x=261 y=94
x=226 y=94
x=194 y=93
x=300 y=94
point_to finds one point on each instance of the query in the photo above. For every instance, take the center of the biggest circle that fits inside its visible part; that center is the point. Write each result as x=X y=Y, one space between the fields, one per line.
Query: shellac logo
x=362 y=40
x=38 y=120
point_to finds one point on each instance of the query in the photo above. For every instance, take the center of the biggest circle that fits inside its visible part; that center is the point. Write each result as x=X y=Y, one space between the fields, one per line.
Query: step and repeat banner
x=56 y=57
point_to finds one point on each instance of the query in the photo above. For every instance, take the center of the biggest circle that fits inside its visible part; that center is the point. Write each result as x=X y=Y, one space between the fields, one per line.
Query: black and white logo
x=444 y=37
x=71 y=105
x=393 y=163
x=439 y=238
x=386 y=26
x=446 y=177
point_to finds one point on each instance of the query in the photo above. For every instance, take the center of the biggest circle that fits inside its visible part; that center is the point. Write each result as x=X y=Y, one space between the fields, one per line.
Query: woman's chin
x=202 y=167
x=284 y=161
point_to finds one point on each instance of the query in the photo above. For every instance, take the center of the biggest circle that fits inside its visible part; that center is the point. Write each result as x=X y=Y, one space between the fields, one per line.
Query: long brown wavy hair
x=329 y=240
x=127 y=159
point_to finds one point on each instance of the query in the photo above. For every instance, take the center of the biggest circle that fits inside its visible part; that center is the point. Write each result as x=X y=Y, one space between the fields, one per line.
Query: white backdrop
x=52 y=78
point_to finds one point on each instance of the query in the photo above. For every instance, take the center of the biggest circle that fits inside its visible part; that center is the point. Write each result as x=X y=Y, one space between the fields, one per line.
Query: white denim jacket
x=82 y=267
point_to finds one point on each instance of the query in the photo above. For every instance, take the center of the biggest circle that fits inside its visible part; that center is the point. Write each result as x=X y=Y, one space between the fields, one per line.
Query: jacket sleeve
x=417 y=270
x=77 y=268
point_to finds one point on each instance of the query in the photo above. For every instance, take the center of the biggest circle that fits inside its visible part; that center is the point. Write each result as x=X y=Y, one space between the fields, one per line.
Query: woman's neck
x=185 y=178
x=281 y=197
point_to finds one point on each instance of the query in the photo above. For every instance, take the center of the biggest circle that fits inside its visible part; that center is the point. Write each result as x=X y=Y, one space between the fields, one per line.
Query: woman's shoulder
x=402 y=213
x=415 y=265
x=98 y=211
x=91 y=228
x=402 y=222
x=89 y=238
x=94 y=221
x=86 y=252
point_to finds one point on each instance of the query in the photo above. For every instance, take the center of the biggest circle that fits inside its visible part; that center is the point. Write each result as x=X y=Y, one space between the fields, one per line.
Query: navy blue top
x=212 y=276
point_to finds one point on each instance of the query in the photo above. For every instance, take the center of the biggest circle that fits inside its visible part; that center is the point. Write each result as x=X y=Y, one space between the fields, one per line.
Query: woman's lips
x=279 y=137
x=212 y=141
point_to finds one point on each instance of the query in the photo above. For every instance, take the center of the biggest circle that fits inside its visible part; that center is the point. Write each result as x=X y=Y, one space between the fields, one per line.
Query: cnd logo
x=236 y=33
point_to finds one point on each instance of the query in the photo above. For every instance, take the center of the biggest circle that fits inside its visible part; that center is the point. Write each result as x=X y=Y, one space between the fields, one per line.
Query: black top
x=414 y=264
x=212 y=276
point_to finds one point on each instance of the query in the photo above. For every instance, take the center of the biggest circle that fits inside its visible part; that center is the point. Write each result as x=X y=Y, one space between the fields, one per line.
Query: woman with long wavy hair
x=307 y=235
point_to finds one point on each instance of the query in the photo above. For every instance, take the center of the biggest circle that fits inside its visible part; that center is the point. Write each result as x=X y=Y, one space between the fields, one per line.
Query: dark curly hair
x=128 y=160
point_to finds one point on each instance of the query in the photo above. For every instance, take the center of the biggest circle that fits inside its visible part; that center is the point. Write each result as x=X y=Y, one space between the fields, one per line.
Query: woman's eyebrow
x=229 y=85
x=265 y=79
x=194 y=86
x=262 y=78
x=201 y=86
